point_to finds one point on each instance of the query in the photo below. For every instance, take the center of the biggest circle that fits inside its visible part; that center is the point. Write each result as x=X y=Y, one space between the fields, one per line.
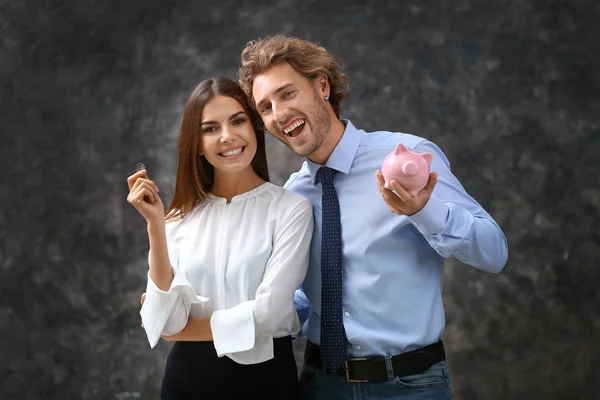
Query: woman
x=227 y=257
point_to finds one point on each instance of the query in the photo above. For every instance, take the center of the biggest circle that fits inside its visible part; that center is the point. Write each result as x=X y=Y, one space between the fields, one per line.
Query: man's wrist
x=431 y=219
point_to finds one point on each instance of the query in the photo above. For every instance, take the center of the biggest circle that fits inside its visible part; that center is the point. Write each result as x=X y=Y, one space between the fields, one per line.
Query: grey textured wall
x=508 y=89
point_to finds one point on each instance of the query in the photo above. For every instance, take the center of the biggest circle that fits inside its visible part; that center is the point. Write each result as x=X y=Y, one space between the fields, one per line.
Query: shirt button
x=357 y=347
x=346 y=314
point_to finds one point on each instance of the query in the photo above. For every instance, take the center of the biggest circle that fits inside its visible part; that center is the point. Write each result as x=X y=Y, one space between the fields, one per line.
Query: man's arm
x=302 y=307
x=451 y=221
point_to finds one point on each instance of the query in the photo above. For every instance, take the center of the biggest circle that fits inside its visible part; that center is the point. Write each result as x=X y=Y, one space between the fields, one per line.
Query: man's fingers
x=387 y=194
x=381 y=184
x=393 y=201
x=430 y=183
x=400 y=191
x=398 y=200
x=379 y=180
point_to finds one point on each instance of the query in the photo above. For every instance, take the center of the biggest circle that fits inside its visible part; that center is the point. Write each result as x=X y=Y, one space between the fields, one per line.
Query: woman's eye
x=209 y=129
x=239 y=121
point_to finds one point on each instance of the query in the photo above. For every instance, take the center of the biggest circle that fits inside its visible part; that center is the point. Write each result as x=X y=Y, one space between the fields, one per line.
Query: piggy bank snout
x=410 y=168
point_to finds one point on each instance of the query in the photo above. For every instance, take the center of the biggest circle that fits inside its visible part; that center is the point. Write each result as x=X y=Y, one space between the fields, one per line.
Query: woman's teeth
x=288 y=130
x=232 y=152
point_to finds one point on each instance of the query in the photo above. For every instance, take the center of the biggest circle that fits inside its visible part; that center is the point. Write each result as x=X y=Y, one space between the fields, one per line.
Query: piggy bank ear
x=400 y=148
x=428 y=157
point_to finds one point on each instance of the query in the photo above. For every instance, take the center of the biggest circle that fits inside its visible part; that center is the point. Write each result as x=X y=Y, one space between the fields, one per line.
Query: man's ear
x=323 y=85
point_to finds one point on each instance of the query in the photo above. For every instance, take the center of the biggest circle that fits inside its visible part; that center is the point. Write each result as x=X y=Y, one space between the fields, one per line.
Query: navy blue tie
x=333 y=336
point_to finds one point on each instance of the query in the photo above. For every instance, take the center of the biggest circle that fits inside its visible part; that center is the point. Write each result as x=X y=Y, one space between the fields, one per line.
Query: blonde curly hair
x=308 y=58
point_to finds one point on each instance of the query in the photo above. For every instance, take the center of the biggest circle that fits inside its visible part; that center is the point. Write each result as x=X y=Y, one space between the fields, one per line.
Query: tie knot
x=325 y=175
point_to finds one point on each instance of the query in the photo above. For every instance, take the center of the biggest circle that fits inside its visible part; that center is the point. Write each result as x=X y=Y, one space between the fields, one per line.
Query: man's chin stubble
x=306 y=150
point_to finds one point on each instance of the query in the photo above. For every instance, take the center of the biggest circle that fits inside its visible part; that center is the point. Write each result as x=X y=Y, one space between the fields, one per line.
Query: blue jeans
x=431 y=384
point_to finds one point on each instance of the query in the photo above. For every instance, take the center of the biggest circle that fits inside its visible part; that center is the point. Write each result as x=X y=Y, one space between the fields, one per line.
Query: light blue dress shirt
x=393 y=265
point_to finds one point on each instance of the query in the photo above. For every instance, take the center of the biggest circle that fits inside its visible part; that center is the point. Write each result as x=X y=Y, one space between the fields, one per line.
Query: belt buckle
x=347 y=370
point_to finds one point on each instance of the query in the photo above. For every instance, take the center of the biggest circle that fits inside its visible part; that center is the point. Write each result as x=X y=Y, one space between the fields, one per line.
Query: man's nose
x=279 y=114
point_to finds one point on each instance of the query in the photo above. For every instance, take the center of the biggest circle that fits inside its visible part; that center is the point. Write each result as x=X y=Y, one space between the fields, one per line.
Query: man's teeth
x=293 y=126
x=233 y=152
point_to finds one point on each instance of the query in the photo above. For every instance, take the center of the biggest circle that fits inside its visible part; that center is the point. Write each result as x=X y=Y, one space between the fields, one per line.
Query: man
x=375 y=277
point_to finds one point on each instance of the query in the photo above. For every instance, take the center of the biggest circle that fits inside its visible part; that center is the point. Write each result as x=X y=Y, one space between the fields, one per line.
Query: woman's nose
x=228 y=135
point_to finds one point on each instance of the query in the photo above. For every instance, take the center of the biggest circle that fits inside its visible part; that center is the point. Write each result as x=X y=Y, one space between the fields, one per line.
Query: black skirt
x=194 y=372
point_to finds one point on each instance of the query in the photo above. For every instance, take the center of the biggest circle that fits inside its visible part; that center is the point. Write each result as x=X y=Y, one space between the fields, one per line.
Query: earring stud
x=326 y=99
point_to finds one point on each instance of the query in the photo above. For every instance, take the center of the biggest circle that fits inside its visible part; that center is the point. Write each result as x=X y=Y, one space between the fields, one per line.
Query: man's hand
x=401 y=202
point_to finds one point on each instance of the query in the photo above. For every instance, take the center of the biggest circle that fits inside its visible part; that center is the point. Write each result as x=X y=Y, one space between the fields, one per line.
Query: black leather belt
x=374 y=369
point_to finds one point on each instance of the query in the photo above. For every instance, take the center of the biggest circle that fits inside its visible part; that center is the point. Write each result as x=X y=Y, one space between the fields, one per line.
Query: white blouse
x=239 y=264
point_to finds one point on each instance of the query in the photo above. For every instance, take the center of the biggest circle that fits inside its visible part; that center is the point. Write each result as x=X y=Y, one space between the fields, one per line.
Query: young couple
x=231 y=250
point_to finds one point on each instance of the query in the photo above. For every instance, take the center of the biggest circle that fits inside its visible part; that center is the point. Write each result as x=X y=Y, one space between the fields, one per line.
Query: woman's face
x=228 y=140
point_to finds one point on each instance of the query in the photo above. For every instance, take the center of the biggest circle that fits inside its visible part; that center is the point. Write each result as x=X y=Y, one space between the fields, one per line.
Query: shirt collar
x=342 y=156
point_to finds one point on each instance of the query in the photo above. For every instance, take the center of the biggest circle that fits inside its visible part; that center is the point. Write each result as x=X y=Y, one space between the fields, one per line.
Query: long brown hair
x=308 y=58
x=195 y=175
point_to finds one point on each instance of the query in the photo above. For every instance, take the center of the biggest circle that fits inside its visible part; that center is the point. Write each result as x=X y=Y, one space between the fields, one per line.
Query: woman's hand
x=143 y=195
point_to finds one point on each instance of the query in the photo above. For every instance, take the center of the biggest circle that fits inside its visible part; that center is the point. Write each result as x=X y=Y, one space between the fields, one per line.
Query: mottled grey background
x=508 y=89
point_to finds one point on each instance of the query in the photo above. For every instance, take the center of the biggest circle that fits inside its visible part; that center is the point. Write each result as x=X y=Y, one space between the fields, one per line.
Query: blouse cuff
x=233 y=330
x=159 y=305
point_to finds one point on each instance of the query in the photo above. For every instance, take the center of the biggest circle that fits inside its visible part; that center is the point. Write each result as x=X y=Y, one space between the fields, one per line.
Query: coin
x=139 y=166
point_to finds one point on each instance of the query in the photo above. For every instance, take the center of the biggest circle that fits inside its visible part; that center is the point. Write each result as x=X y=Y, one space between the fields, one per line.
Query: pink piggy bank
x=409 y=168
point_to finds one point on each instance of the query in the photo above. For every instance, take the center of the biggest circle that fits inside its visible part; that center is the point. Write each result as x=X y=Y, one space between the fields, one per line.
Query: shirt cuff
x=432 y=218
x=233 y=329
